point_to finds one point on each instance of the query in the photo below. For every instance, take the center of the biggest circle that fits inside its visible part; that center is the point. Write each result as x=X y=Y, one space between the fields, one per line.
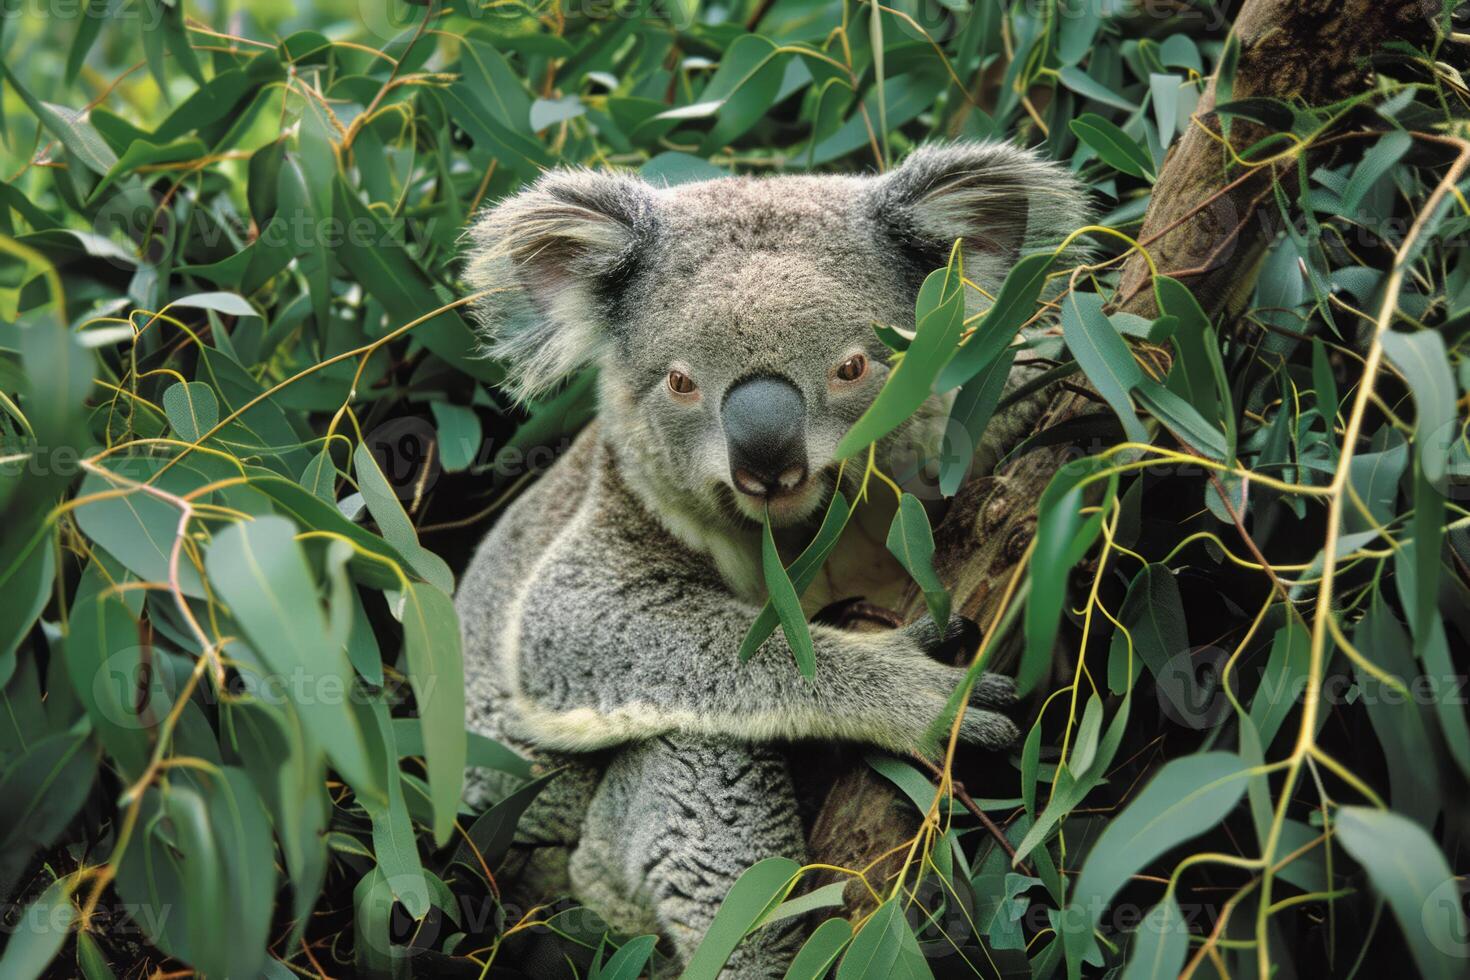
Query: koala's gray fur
x=603 y=613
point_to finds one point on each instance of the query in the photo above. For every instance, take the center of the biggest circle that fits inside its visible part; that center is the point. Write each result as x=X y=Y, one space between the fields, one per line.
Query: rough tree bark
x=1208 y=225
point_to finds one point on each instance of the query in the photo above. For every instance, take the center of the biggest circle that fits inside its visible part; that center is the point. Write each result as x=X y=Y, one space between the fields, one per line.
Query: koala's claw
x=988 y=729
x=957 y=642
x=994 y=691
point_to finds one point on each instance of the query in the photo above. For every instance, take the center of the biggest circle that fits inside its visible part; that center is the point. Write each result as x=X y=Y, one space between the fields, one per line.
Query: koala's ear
x=556 y=255
x=1002 y=200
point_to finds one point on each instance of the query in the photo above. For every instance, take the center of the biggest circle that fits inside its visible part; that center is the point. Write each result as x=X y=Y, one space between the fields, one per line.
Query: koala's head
x=732 y=320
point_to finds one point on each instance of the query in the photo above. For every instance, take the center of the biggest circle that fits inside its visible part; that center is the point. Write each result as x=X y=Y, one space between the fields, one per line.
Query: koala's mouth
x=786 y=505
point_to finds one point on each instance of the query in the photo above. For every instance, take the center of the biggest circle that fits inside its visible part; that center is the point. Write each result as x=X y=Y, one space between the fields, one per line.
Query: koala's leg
x=675 y=822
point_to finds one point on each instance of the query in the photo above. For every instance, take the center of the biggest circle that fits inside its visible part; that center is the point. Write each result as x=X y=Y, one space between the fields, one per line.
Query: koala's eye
x=853 y=368
x=681 y=384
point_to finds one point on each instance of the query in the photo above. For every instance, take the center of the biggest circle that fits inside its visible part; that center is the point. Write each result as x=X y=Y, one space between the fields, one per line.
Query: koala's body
x=731 y=324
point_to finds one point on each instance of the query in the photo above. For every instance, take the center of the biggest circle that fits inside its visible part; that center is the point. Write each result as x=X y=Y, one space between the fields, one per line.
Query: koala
x=731 y=325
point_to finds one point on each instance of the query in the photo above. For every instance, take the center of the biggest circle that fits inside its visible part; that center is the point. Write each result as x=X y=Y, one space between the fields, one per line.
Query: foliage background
x=247 y=439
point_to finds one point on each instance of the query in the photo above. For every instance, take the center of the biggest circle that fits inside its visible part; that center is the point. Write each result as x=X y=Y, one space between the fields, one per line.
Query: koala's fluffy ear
x=556 y=255
x=1002 y=200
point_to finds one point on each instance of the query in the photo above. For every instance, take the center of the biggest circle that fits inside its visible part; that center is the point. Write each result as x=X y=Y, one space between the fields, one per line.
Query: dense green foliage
x=245 y=439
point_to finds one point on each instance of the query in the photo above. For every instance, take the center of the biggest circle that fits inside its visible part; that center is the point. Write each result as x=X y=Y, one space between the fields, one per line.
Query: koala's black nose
x=765 y=431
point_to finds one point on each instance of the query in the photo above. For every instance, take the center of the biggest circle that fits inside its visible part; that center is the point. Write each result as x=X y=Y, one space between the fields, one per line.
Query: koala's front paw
x=983 y=724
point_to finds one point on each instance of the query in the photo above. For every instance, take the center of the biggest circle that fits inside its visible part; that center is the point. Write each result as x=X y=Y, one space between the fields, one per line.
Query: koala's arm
x=611 y=647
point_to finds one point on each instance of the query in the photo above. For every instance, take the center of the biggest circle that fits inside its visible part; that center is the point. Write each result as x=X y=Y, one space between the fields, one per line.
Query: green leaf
x=393 y=521
x=1013 y=306
x=90 y=959
x=969 y=416
x=628 y=962
x=672 y=167
x=394 y=844
x=884 y=949
x=375 y=258
x=1086 y=86
x=25 y=589
x=758 y=889
x=911 y=541
x=260 y=571
x=191 y=408
x=1183 y=800
x=69 y=126
x=493 y=830
x=40 y=793
x=136 y=528
x=1069 y=791
x=1103 y=357
x=787 y=604
x=1115 y=147
x=1084 y=750
x=1063 y=536
x=1376 y=164
x=436 y=671
x=802 y=573
x=40 y=932
x=142 y=153
x=742 y=89
x=1181 y=419
x=819 y=952
x=230 y=304
x=1160 y=943
x=940 y=315
x=1424 y=363
x=1282 y=682
x=103 y=659
x=1153 y=613
x=1407 y=868
x=459 y=435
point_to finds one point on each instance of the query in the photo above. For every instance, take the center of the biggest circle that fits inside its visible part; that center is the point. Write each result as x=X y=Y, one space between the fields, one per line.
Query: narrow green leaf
x=1160 y=943
x=1115 y=147
x=436 y=671
x=1063 y=536
x=1408 y=869
x=754 y=893
x=40 y=932
x=884 y=949
x=803 y=572
x=260 y=571
x=940 y=315
x=911 y=541
x=628 y=962
x=1013 y=306
x=1104 y=357
x=1183 y=800
x=819 y=952
x=1084 y=749
x=394 y=523
x=969 y=416
x=787 y=604
x=1424 y=363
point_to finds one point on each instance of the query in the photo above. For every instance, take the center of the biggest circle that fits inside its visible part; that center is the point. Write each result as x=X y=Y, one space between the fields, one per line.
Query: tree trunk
x=1208 y=225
